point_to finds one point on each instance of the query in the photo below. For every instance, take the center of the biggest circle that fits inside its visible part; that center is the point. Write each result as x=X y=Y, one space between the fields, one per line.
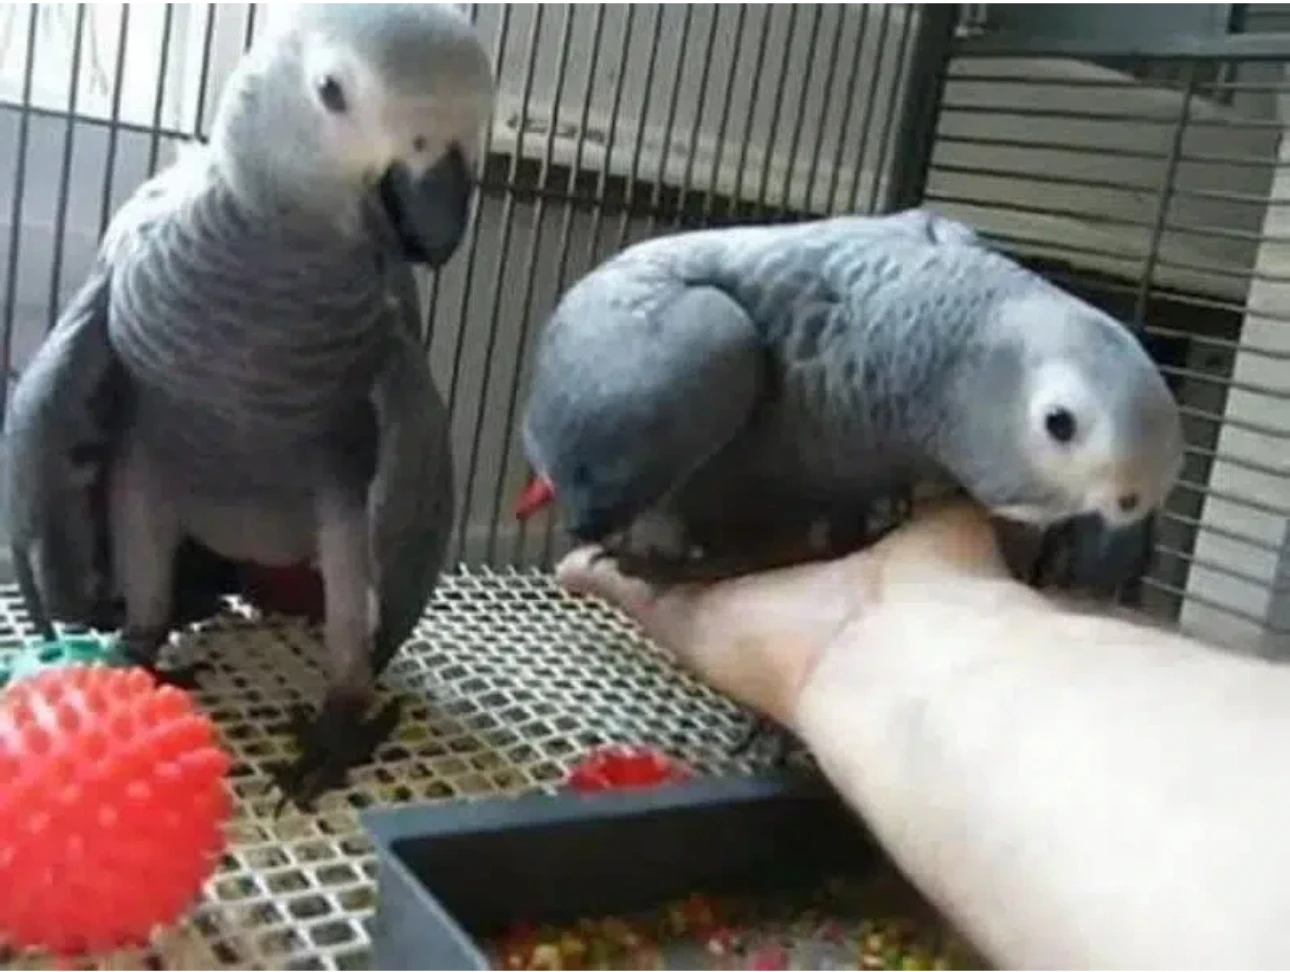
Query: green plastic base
x=39 y=655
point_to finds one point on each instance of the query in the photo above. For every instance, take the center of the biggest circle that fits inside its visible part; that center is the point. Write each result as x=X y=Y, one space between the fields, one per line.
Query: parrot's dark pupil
x=1060 y=424
x=333 y=97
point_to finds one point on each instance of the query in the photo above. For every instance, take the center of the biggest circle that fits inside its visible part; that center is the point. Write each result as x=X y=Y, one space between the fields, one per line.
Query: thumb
x=753 y=638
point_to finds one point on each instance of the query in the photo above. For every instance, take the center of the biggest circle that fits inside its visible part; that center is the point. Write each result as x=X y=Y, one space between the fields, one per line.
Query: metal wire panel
x=1165 y=202
x=508 y=681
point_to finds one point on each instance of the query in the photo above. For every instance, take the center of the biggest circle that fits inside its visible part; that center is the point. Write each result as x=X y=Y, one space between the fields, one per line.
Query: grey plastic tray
x=452 y=875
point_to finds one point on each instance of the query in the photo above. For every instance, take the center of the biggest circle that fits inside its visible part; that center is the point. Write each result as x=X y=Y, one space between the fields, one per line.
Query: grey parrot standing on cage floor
x=748 y=396
x=240 y=380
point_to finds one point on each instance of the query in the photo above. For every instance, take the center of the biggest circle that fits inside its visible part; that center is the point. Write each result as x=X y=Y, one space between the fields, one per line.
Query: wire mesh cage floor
x=508 y=679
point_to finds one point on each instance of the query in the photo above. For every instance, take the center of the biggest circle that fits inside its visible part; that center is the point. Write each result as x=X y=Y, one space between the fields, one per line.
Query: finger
x=664 y=617
x=753 y=638
x=943 y=538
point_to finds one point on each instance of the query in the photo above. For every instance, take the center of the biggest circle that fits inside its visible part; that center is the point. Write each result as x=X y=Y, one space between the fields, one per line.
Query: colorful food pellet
x=769 y=957
x=840 y=926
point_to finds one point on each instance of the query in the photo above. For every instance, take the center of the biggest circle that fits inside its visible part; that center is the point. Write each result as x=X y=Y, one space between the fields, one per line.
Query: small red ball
x=618 y=767
x=112 y=808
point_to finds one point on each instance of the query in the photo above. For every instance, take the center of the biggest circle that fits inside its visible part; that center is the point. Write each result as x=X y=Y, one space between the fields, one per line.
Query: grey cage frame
x=1134 y=156
x=1166 y=210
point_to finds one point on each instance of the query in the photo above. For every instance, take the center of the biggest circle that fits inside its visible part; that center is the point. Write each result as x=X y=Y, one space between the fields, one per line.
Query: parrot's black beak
x=429 y=212
x=1088 y=555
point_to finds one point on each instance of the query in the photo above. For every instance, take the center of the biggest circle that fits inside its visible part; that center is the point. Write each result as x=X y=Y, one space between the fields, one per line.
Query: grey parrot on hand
x=239 y=381
x=747 y=397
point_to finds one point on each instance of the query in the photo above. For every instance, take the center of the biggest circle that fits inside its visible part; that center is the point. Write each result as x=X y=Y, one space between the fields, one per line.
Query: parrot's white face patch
x=380 y=125
x=1094 y=410
x=1068 y=437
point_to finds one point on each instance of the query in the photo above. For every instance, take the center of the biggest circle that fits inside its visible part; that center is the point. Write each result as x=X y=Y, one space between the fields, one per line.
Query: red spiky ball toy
x=112 y=808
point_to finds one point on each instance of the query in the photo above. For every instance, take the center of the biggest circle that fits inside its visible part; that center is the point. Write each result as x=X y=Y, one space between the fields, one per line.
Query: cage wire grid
x=1152 y=186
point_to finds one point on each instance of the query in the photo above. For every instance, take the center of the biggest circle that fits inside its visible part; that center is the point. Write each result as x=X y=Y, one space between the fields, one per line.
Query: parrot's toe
x=143 y=649
x=183 y=677
x=765 y=732
x=661 y=570
x=338 y=738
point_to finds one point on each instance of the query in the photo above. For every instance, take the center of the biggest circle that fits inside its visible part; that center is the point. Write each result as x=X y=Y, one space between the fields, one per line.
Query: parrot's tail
x=538 y=493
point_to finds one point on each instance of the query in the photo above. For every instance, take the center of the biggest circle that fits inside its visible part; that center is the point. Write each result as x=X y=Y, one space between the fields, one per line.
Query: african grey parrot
x=748 y=395
x=240 y=379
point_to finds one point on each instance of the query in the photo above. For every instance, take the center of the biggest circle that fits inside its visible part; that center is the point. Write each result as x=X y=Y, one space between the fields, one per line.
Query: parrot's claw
x=338 y=738
x=769 y=732
x=143 y=647
x=662 y=570
x=184 y=677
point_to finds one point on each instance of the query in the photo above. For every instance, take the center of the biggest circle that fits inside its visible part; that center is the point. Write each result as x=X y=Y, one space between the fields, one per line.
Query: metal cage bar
x=1164 y=204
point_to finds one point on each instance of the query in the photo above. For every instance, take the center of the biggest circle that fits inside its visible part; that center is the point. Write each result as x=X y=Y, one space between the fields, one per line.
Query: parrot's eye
x=332 y=95
x=1060 y=424
x=419 y=143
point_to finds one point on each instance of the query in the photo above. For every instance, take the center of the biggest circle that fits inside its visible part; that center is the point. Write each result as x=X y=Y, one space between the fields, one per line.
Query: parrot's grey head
x=1084 y=424
x=342 y=111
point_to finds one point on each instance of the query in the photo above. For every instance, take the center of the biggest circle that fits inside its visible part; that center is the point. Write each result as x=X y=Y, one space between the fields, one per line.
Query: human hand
x=757 y=638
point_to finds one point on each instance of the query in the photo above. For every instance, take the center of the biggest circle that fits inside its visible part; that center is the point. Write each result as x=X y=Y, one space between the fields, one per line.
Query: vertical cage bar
x=15 y=215
x=813 y=173
x=615 y=108
x=570 y=211
x=928 y=69
x=776 y=110
x=692 y=150
x=633 y=172
x=1130 y=593
x=65 y=171
x=870 y=101
x=248 y=36
x=758 y=71
x=114 y=126
x=848 y=105
x=159 y=102
x=1164 y=197
x=669 y=125
x=468 y=276
x=895 y=95
x=795 y=142
x=563 y=50
x=204 y=74
x=709 y=197
x=494 y=317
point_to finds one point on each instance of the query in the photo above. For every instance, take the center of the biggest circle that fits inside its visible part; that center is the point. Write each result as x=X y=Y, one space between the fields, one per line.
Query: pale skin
x=1073 y=790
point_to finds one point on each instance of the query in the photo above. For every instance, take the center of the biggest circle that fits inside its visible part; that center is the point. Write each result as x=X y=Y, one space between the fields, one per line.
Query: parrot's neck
x=313 y=208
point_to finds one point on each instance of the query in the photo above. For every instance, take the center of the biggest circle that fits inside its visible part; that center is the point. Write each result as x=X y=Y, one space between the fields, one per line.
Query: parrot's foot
x=765 y=732
x=662 y=570
x=143 y=647
x=331 y=743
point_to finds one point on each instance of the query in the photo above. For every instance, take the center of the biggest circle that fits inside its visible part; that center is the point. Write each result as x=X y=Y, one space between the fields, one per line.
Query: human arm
x=1074 y=791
